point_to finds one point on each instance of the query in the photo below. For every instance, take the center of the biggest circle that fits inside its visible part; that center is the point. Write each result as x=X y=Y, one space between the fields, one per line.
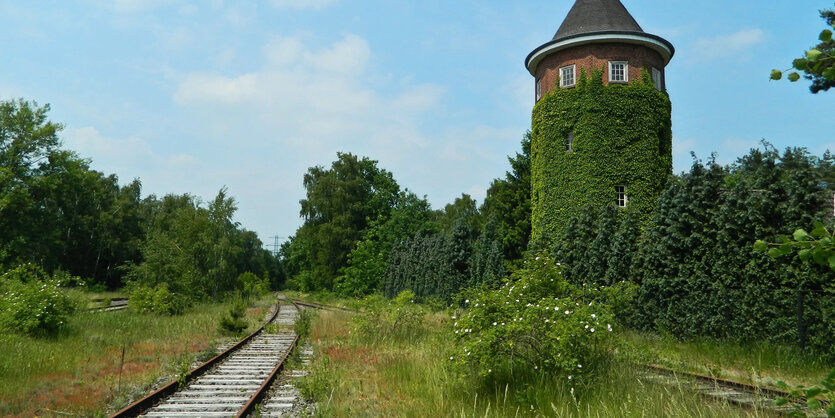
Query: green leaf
x=830 y=410
x=776 y=74
x=832 y=262
x=829 y=73
x=819 y=231
x=821 y=256
x=760 y=245
x=813 y=404
x=805 y=255
x=800 y=235
x=800 y=64
x=813 y=55
x=793 y=77
x=774 y=253
x=813 y=391
x=780 y=401
x=826 y=35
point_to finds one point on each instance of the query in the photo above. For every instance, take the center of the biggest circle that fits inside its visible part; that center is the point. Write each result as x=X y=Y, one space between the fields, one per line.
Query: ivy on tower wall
x=622 y=136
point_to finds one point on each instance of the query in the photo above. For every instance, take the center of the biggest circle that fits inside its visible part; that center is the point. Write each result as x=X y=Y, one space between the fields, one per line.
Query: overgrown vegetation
x=33 y=303
x=621 y=136
x=537 y=321
x=80 y=368
x=359 y=374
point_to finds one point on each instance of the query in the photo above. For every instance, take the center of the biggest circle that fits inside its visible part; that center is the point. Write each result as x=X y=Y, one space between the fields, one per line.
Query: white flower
x=456 y=331
x=494 y=324
x=610 y=327
x=569 y=377
x=567 y=312
x=579 y=366
x=587 y=326
x=467 y=301
x=592 y=330
x=450 y=358
x=592 y=315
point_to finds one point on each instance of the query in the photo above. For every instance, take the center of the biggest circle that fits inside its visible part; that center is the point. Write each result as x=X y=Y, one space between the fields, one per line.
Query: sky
x=190 y=96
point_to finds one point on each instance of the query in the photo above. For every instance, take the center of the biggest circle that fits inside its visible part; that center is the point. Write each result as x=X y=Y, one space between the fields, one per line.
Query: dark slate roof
x=589 y=16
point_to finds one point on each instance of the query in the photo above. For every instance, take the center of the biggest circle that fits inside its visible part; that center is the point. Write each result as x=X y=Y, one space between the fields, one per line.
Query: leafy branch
x=818 y=63
x=818 y=246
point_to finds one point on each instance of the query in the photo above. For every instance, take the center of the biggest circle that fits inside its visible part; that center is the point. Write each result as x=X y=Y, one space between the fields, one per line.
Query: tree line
x=60 y=215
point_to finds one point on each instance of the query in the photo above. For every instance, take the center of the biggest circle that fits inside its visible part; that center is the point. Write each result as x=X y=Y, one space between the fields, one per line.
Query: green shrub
x=302 y=326
x=537 y=321
x=399 y=318
x=251 y=285
x=32 y=302
x=234 y=321
x=157 y=300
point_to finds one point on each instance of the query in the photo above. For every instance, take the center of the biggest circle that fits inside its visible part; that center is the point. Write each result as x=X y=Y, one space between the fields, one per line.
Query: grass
x=81 y=370
x=759 y=363
x=354 y=375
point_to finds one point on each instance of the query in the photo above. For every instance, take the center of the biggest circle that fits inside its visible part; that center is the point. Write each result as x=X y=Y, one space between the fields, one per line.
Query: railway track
x=735 y=393
x=232 y=383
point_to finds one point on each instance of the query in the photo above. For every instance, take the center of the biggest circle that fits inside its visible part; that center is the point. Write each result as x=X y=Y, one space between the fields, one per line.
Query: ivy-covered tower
x=601 y=131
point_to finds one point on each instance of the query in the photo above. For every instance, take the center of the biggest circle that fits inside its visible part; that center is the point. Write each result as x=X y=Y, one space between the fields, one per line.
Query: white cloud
x=302 y=4
x=130 y=158
x=305 y=104
x=737 y=44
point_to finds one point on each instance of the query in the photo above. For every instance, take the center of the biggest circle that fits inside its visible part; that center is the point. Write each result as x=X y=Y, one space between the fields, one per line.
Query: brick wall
x=596 y=56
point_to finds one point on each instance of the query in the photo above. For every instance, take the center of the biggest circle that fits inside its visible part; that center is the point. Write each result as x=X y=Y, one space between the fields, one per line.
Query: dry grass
x=81 y=370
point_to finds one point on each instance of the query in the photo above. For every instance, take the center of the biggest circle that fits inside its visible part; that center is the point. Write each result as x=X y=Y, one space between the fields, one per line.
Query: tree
x=340 y=203
x=367 y=261
x=509 y=201
x=818 y=63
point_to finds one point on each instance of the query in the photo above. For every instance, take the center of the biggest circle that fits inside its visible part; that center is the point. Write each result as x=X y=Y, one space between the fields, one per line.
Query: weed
x=234 y=321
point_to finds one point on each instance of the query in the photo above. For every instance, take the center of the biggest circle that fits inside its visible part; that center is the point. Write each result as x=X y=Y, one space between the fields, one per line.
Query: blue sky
x=191 y=95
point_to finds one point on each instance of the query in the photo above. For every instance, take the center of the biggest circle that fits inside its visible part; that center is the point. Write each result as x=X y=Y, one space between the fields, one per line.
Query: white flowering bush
x=32 y=302
x=536 y=320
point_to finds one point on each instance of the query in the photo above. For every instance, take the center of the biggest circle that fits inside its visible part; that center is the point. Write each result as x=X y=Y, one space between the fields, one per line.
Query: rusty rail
x=142 y=405
x=259 y=395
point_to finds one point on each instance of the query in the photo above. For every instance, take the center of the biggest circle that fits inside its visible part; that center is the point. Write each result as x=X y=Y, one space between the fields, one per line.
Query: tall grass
x=353 y=375
x=82 y=369
x=760 y=363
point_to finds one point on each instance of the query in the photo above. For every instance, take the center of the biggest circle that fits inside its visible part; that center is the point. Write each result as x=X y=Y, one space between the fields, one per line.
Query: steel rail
x=750 y=389
x=142 y=405
x=259 y=395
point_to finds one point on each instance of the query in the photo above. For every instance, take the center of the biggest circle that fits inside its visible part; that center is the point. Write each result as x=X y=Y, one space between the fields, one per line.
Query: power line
x=275 y=245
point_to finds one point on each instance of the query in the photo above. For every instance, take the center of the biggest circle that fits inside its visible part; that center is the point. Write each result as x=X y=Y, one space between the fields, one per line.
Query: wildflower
x=592 y=315
x=494 y=324
x=569 y=377
x=467 y=301
x=567 y=312
x=587 y=326
x=610 y=327
x=450 y=357
x=592 y=330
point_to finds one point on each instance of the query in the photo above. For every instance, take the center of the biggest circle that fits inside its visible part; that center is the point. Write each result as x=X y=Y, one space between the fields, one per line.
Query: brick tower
x=601 y=125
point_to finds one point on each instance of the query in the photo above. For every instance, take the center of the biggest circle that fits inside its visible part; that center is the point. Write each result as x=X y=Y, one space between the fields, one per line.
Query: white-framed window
x=569 y=142
x=538 y=89
x=618 y=72
x=656 y=79
x=620 y=192
x=568 y=76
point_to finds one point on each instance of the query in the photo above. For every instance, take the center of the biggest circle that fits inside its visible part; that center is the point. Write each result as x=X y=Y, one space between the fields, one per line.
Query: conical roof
x=598 y=21
x=589 y=16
